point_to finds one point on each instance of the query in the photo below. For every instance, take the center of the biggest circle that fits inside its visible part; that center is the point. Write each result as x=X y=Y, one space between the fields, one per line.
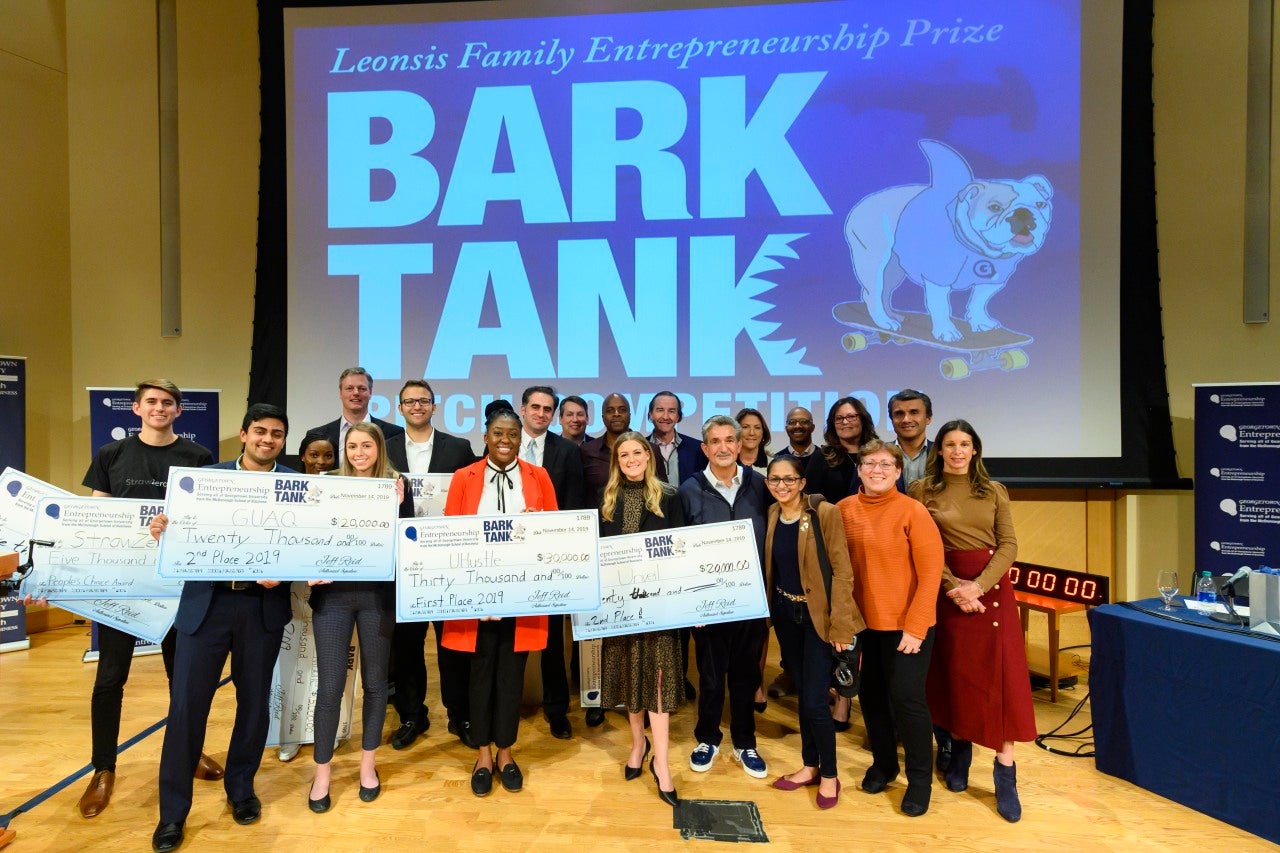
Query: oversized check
x=429 y=494
x=19 y=494
x=463 y=566
x=102 y=548
x=675 y=578
x=248 y=525
x=148 y=618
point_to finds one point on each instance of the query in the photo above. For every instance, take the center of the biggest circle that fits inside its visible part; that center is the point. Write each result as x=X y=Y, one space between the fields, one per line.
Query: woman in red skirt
x=978 y=686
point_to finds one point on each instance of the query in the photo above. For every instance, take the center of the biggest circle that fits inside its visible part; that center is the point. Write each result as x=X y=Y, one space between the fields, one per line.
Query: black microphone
x=1231 y=617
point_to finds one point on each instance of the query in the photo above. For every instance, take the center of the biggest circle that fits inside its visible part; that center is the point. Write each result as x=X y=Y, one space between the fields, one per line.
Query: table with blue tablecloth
x=1189 y=710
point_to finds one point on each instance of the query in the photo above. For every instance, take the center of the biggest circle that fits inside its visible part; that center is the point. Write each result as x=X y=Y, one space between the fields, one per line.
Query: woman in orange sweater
x=896 y=554
x=498 y=484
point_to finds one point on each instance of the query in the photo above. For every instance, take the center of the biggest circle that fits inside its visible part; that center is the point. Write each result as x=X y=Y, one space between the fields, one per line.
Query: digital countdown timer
x=1062 y=584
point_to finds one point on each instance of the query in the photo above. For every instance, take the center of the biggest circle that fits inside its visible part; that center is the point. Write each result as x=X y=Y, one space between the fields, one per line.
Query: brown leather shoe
x=95 y=798
x=208 y=770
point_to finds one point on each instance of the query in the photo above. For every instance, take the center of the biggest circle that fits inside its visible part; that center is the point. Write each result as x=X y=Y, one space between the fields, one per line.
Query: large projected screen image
x=761 y=206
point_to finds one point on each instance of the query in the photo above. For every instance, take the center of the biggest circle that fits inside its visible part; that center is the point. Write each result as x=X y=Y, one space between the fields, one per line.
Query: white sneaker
x=751 y=762
x=703 y=755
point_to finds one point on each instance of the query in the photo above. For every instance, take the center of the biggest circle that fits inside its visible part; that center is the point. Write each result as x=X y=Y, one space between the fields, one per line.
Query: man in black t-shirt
x=135 y=467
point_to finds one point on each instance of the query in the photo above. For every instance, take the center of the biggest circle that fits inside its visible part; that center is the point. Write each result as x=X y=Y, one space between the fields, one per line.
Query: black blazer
x=332 y=430
x=689 y=456
x=672 y=515
x=562 y=460
x=197 y=595
x=448 y=454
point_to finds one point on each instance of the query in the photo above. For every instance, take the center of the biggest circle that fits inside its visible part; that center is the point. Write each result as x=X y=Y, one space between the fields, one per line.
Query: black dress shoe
x=668 y=797
x=512 y=778
x=632 y=773
x=463 y=733
x=319 y=806
x=368 y=795
x=246 y=811
x=560 y=728
x=481 y=781
x=168 y=836
x=408 y=733
x=595 y=716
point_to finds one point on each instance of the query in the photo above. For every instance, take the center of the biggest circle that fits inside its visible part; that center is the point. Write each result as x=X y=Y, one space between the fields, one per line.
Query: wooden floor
x=574 y=792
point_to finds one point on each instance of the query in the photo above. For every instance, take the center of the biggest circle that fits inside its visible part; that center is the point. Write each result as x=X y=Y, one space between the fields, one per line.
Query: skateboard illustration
x=998 y=349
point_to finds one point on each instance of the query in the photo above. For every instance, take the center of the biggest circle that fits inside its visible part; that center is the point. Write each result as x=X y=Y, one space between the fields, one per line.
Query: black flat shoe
x=246 y=811
x=319 y=806
x=168 y=836
x=368 y=795
x=512 y=778
x=463 y=733
x=632 y=773
x=668 y=797
x=481 y=781
x=760 y=706
x=595 y=716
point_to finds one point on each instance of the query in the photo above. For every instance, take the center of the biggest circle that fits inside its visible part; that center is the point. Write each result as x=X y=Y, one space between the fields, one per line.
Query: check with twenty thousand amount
x=465 y=566
x=676 y=578
x=245 y=525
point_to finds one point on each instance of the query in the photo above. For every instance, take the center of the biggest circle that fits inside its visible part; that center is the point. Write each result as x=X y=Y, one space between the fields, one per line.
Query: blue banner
x=13 y=454
x=1237 y=477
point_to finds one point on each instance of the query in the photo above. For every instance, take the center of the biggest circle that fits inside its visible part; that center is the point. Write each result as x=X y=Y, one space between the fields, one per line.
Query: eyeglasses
x=844 y=419
x=783 y=481
x=410 y=402
x=882 y=466
x=799 y=422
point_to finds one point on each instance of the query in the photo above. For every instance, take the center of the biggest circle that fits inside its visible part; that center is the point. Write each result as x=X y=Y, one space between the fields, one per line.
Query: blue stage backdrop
x=13 y=454
x=1237 y=476
x=111 y=418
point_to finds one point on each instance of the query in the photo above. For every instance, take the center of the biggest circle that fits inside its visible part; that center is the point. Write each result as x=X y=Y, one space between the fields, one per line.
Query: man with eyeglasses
x=355 y=389
x=423 y=449
x=800 y=433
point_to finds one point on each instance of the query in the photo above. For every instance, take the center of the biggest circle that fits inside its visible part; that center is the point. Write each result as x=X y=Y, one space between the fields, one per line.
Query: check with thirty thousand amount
x=245 y=525
x=465 y=566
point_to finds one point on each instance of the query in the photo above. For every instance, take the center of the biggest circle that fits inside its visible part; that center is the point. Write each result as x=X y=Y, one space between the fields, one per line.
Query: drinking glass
x=1167 y=584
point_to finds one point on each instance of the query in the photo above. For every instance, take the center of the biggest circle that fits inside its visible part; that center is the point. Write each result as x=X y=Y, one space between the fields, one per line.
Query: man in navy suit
x=422 y=449
x=243 y=618
x=681 y=455
x=563 y=462
x=355 y=388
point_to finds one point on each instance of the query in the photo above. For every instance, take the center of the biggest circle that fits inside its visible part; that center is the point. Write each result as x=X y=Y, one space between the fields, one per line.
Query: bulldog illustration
x=954 y=233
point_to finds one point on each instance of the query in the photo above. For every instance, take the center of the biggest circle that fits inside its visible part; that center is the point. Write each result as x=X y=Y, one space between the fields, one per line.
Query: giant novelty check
x=246 y=525
x=19 y=494
x=102 y=548
x=675 y=578
x=430 y=491
x=464 y=566
x=148 y=618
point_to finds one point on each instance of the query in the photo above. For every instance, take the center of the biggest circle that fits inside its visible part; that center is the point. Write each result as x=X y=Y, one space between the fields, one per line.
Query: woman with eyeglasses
x=978 y=687
x=896 y=554
x=809 y=620
x=833 y=471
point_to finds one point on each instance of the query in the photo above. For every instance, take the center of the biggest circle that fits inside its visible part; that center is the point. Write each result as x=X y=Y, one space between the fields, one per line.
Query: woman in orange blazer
x=498 y=484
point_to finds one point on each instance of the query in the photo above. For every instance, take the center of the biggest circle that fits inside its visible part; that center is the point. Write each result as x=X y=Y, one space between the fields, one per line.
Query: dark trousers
x=497 y=680
x=728 y=653
x=409 y=662
x=332 y=624
x=232 y=626
x=892 y=695
x=115 y=657
x=811 y=666
x=555 y=682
